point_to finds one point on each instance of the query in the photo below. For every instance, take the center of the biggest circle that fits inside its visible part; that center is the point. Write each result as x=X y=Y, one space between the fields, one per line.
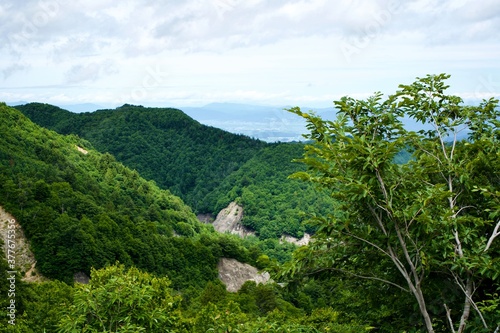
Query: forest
x=404 y=223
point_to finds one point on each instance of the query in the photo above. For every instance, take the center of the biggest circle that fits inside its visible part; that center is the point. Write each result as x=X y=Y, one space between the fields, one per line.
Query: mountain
x=207 y=167
x=273 y=203
x=80 y=208
x=163 y=144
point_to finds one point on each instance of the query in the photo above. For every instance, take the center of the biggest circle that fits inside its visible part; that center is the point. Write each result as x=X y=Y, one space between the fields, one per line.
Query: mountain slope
x=80 y=209
x=163 y=144
x=207 y=167
x=273 y=203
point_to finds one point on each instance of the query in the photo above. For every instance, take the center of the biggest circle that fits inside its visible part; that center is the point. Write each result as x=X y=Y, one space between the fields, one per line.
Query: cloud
x=250 y=49
x=16 y=67
x=89 y=72
x=134 y=28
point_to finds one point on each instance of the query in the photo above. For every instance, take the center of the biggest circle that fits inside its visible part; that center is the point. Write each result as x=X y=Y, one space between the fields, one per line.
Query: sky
x=196 y=52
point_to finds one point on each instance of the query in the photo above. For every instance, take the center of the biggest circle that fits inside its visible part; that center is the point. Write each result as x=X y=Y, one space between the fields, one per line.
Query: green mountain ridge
x=163 y=144
x=81 y=210
x=207 y=167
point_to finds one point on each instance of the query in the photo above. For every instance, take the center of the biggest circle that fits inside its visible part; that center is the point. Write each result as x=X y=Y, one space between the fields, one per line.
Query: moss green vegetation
x=163 y=144
x=205 y=166
x=83 y=211
x=431 y=224
x=87 y=210
x=273 y=203
x=406 y=226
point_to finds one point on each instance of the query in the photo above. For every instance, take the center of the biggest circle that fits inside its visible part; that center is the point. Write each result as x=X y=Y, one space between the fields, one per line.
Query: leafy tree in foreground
x=430 y=223
x=122 y=300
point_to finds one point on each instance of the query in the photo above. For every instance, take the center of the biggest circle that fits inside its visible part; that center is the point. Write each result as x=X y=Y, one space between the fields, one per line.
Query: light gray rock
x=234 y=274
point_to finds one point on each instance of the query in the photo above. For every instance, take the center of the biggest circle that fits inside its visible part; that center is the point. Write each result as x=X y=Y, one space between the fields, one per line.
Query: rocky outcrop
x=81 y=277
x=229 y=220
x=303 y=241
x=24 y=258
x=234 y=274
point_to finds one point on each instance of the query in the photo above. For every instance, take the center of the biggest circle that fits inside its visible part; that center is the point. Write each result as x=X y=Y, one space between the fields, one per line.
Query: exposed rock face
x=234 y=274
x=228 y=220
x=303 y=241
x=24 y=258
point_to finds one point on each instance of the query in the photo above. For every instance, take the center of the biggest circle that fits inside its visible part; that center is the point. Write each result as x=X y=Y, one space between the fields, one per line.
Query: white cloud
x=258 y=50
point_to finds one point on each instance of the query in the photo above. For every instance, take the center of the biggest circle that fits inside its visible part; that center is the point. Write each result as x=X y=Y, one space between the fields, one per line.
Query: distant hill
x=274 y=204
x=267 y=123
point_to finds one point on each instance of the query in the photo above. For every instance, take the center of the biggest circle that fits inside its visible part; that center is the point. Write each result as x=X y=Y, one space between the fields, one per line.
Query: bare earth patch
x=234 y=274
x=229 y=220
x=81 y=150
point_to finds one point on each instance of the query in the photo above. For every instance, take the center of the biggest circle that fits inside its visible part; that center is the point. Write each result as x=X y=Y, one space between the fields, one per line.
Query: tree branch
x=379 y=219
x=448 y=315
x=467 y=290
x=361 y=277
x=496 y=233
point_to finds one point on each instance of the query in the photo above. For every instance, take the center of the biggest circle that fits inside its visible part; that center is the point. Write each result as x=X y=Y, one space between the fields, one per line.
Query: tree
x=430 y=222
x=122 y=300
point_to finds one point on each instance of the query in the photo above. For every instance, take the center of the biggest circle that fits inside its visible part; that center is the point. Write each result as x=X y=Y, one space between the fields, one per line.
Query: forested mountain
x=163 y=144
x=406 y=226
x=81 y=209
x=206 y=166
x=274 y=204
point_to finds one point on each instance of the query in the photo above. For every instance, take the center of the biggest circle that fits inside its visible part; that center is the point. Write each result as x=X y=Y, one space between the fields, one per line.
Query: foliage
x=273 y=204
x=87 y=210
x=121 y=300
x=428 y=223
x=163 y=144
x=207 y=167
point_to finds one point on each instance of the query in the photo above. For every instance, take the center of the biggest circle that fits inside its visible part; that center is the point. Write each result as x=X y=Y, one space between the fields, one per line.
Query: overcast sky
x=194 y=52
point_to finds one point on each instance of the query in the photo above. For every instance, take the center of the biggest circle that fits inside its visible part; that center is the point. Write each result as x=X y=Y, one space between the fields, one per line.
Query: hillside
x=163 y=144
x=207 y=167
x=80 y=208
x=273 y=204
x=82 y=211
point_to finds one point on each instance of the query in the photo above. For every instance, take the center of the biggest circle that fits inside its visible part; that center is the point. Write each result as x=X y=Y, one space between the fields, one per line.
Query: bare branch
x=379 y=219
x=448 y=315
x=454 y=144
x=459 y=244
x=495 y=234
x=367 y=242
x=467 y=303
x=460 y=210
x=361 y=277
x=467 y=290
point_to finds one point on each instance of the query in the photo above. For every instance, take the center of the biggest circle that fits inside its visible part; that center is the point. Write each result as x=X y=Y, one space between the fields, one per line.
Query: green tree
x=431 y=222
x=122 y=300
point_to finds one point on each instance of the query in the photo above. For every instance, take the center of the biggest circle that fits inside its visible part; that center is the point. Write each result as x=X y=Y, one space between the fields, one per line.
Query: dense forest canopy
x=163 y=144
x=83 y=210
x=207 y=167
